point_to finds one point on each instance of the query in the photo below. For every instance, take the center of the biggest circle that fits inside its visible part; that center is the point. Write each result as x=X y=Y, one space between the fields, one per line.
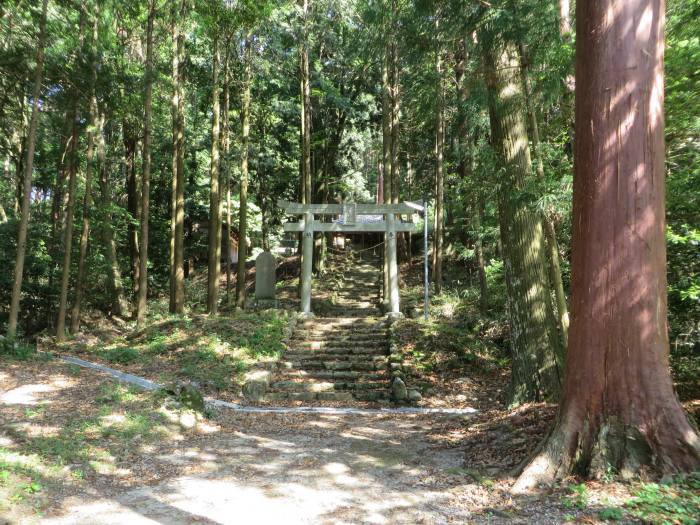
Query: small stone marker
x=265 y=277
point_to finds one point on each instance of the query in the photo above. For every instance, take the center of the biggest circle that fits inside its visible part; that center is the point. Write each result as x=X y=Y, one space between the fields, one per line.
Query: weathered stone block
x=414 y=395
x=256 y=383
x=398 y=389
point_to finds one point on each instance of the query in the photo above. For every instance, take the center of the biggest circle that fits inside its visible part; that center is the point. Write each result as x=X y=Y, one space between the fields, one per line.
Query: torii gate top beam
x=295 y=208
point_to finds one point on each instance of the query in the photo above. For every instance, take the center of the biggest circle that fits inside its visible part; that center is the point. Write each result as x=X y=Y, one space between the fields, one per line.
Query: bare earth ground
x=103 y=454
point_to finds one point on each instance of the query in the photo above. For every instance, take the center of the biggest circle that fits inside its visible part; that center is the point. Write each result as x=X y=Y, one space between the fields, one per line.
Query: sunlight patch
x=26 y=394
x=336 y=468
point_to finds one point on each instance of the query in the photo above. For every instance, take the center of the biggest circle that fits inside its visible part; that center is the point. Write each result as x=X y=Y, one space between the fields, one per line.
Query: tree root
x=611 y=449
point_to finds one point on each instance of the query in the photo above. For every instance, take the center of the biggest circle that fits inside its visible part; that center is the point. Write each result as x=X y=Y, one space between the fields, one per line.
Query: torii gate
x=349 y=224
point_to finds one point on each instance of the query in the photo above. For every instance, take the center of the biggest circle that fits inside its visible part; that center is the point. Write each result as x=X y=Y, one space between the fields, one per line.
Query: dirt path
x=320 y=470
x=238 y=468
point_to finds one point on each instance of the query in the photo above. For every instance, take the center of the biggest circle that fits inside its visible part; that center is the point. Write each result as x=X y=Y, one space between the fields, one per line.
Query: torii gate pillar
x=307 y=257
x=390 y=239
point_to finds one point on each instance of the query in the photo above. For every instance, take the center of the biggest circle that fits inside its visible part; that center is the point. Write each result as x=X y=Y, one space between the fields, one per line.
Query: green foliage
x=120 y=355
x=578 y=498
x=611 y=513
x=666 y=504
x=683 y=174
x=116 y=394
x=15 y=349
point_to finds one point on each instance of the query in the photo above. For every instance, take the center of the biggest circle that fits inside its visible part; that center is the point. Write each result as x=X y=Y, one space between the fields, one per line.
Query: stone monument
x=265 y=280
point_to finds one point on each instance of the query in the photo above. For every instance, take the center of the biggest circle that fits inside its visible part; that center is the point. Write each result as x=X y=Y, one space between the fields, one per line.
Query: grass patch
x=578 y=497
x=120 y=355
x=16 y=349
x=21 y=483
x=213 y=351
x=93 y=443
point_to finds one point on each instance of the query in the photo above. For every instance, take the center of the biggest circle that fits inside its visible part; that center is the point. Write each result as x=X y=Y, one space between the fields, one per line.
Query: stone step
x=346 y=396
x=303 y=385
x=336 y=345
x=339 y=334
x=353 y=366
x=372 y=395
x=302 y=356
x=351 y=312
x=330 y=335
x=339 y=345
x=347 y=375
x=321 y=356
x=344 y=323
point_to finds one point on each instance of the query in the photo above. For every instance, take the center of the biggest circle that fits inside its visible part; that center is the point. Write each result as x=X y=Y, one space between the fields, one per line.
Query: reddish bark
x=619 y=410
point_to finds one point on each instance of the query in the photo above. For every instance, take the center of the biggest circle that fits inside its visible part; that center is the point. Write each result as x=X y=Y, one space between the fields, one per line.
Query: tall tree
x=553 y=257
x=618 y=408
x=89 y=168
x=142 y=296
x=305 y=90
x=439 y=168
x=115 y=286
x=214 y=258
x=386 y=152
x=177 y=221
x=536 y=347
x=465 y=158
x=27 y=177
x=68 y=227
x=243 y=208
x=226 y=146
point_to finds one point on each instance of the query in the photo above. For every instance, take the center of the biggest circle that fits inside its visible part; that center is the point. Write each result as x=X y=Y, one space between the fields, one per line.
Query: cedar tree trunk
x=619 y=411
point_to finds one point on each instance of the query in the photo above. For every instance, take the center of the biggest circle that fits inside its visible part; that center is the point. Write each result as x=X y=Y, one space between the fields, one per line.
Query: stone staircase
x=342 y=354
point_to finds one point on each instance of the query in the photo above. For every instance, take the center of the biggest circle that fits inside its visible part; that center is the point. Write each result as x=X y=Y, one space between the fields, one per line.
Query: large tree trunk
x=174 y=75
x=618 y=410
x=537 y=351
x=142 y=296
x=243 y=210
x=27 y=179
x=214 y=257
x=68 y=230
x=87 y=198
x=177 y=221
x=550 y=234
